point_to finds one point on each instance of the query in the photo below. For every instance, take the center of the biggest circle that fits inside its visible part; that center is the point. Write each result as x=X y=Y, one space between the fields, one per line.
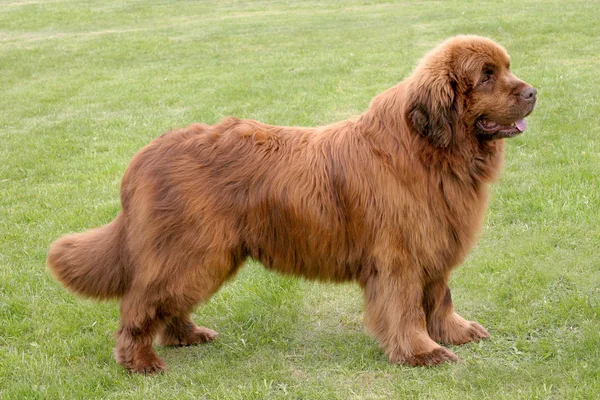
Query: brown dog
x=393 y=200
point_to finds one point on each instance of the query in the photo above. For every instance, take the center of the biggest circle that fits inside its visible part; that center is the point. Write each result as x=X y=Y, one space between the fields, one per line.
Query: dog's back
x=241 y=188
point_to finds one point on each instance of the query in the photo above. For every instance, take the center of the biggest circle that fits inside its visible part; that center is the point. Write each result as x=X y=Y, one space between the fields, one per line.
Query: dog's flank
x=393 y=199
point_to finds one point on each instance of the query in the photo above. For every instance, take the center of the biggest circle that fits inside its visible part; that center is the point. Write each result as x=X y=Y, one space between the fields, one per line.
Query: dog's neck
x=465 y=157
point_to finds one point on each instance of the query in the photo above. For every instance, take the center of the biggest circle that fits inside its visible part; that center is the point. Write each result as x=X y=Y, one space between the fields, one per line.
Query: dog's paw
x=191 y=336
x=469 y=332
x=457 y=330
x=200 y=335
x=147 y=363
x=434 y=357
x=476 y=332
x=150 y=367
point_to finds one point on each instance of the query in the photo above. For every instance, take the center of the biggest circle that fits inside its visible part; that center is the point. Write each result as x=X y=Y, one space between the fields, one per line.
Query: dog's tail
x=93 y=263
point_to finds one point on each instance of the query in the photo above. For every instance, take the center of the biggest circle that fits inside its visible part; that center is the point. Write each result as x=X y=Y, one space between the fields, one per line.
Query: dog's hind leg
x=180 y=330
x=140 y=320
x=160 y=300
x=197 y=285
x=150 y=313
x=146 y=314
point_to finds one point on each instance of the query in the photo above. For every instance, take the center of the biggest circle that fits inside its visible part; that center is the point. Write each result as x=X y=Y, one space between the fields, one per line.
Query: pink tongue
x=521 y=125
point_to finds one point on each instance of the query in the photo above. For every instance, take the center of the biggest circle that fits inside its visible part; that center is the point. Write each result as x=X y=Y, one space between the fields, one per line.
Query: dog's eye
x=487 y=76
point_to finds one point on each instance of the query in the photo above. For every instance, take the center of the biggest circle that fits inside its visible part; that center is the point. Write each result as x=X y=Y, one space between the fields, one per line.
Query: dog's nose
x=529 y=94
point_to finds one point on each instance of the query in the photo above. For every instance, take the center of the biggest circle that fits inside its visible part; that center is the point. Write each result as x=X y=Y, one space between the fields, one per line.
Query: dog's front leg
x=394 y=314
x=443 y=324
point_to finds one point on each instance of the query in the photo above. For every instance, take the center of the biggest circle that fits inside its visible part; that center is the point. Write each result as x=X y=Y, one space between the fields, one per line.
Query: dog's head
x=466 y=83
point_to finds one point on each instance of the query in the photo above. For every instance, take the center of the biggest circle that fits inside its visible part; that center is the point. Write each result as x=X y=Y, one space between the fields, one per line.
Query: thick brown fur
x=393 y=199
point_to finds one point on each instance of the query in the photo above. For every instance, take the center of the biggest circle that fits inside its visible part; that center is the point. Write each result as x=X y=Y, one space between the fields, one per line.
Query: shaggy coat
x=393 y=200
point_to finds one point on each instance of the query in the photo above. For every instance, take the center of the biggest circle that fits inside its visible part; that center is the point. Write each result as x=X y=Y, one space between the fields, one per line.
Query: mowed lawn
x=84 y=85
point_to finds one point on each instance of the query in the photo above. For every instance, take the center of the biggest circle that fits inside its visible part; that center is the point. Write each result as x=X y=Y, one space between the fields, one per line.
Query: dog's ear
x=432 y=111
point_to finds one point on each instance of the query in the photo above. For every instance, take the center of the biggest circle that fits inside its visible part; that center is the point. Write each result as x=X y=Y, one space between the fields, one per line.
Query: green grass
x=85 y=84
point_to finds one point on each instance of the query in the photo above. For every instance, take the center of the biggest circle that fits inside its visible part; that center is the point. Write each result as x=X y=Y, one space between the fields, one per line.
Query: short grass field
x=85 y=84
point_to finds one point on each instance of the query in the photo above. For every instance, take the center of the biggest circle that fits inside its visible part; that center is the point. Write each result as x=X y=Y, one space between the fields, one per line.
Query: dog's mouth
x=491 y=130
